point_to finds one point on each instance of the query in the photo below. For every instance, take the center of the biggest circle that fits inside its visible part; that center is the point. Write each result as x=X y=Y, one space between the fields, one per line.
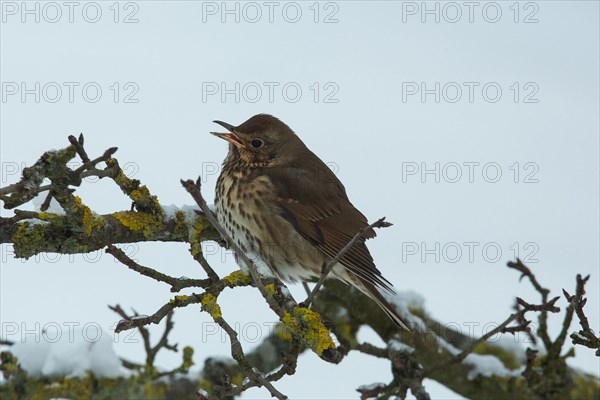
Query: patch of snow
x=35 y=221
x=410 y=298
x=261 y=266
x=512 y=344
x=444 y=344
x=285 y=291
x=371 y=386
x=368 y=334
x=71 y=355
x=483 y=364
x=54 y=206
x=222 y=359
x=188 y=210
x=397 y=345
x=486 y=365
x=404 y=301
x=341 y=313
x=441 y=391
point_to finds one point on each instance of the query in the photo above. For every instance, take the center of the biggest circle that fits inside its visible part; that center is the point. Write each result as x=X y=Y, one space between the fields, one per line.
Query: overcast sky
x=473 y=128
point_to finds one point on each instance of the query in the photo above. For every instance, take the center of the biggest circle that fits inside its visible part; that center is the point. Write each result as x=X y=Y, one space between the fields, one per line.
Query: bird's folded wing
x=316 y=204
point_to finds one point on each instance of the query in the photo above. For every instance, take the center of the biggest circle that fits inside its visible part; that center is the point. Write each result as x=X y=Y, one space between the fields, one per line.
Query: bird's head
x=261 y=140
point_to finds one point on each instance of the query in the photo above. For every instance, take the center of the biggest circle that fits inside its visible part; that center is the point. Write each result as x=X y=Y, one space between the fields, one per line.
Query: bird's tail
x=372 y=292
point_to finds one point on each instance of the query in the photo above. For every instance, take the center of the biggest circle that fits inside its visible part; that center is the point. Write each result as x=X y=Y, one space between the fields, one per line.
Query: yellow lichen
x=27 y=240
x=181 y=227
x=586 y=387
x=60 y=157
x=195 y=249
x=87 y=217
x=306 y=325
x=48 y=216
x=178 y=299
x=199 y=225
x=210 y=305
x=345 y=333
x=141 y=194
x=419 y=312
x=283 y=333
x=78 y=388
x=144 y=201
x=206 y=385
x=125 y=183
x=139 y=221
x=238 y=379
x=188 y=354
x=270 y=288
x=238 y=278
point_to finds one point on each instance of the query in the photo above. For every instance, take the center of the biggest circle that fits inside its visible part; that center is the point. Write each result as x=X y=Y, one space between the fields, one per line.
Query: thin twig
x=176 y=283
x=78 y=144
x=103 y=158
x=17 y=187
x=143 y=320
x=502 y=328
x=371 y=349
x=238 y=355
x=210 y=272
x=151 y=351
x=462 y=355
x=521 y=307
x=46 y=204
x=306 y=288
x=586 y=336
x=543 y=318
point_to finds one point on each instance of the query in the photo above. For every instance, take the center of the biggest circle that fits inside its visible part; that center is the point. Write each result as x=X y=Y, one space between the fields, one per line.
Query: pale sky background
x=369 y=59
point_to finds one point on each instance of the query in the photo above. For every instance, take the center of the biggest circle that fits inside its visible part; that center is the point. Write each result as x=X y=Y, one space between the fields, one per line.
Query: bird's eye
x=256 y=143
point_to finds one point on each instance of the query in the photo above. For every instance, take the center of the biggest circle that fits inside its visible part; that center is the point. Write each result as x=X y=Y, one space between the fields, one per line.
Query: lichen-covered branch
x=585 y=336
x=78 y=229
x=150 y=370
x=433 y=350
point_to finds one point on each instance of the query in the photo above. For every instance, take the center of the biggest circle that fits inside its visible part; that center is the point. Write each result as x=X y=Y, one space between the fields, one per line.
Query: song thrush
x=280 y=202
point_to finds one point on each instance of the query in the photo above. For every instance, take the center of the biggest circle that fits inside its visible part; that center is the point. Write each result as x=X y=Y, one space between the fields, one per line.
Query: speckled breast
x=245 y=208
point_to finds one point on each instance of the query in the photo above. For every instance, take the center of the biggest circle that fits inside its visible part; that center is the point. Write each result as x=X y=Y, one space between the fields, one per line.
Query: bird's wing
x=316 y=204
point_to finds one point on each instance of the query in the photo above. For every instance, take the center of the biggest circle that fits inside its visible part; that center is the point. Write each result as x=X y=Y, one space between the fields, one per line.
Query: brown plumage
x=281 y=203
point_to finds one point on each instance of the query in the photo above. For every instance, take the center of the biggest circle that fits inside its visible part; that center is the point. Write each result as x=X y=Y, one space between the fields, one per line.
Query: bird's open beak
x=229 y=136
